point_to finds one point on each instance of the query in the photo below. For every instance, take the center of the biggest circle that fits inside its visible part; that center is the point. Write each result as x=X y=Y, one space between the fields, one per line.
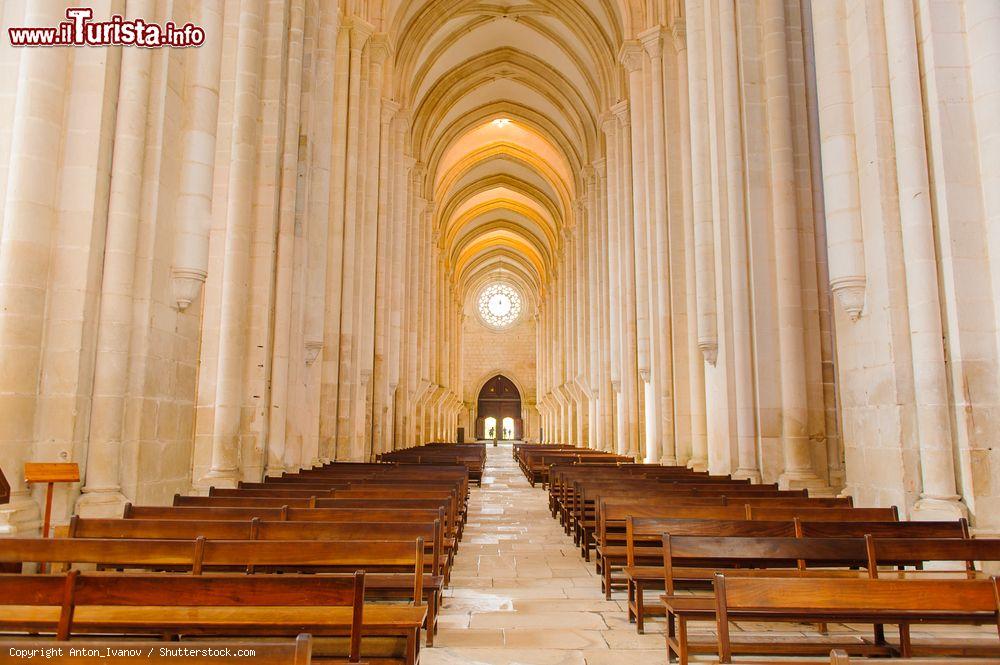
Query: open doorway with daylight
x=499 y=411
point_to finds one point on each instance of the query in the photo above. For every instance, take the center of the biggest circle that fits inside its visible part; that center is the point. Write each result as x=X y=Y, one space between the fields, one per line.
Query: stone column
x=194 y=203
x=938 y=498
x=701 y=196
x=630 y=371
x=102 y=493
x=321 y=141
x=798 y=470
x=341 y=387
x=839 y=156
x=285 y=263
x=29 y=218
x=648 y=415
x=333 y=294
x=742 y=333
x=663 y=339
x=224 y=469
x=696 y=370
x=615 y=307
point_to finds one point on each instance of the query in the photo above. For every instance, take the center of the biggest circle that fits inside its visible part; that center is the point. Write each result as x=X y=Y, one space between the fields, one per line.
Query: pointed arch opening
x=498 y=410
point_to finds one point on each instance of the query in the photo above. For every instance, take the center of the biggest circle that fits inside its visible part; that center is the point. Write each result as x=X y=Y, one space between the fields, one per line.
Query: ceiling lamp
x=501 y=122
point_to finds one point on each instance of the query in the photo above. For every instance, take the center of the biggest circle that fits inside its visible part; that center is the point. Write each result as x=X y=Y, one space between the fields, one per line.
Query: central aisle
x=520 y=592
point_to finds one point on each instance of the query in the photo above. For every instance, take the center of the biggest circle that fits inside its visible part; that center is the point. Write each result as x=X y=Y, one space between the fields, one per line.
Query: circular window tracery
x=499 y=305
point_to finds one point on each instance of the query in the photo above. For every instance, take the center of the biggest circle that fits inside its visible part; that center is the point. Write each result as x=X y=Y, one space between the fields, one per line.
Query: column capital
x=630 y=55
x=620 y=111
x=599 y=167
x=419 y=170
x=403 y=117
x=361 y=30
x=379 y=47
x=608 y=122
x=678 y=30
x=652 y=41
x=389 y=110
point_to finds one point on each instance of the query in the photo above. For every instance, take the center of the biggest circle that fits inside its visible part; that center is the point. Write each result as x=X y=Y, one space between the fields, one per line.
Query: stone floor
x=522 y=595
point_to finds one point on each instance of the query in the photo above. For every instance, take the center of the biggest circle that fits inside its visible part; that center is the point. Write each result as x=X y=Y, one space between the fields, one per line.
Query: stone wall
x=511 y=352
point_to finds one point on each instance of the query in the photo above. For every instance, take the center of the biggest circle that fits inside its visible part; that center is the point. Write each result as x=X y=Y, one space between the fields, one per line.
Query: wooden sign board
x=51 y=472
x=4 y=489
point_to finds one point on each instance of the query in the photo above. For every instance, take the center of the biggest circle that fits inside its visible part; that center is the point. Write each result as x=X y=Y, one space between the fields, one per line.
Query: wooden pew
x=377 y=586
x=698 y=559
x=643 y=532
x=649 y=531
x=330 y=607
x=242 y=514
x=874 y=601
x=86 y=652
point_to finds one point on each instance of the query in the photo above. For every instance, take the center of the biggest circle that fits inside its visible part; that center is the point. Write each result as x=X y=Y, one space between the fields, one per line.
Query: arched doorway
x=499 y=410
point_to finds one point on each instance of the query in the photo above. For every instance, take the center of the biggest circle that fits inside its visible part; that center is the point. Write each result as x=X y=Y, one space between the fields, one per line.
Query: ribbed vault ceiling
x=505 y=101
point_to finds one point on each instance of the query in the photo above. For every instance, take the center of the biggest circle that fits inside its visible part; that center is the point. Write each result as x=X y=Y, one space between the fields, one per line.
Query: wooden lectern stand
x=4 y=489
x=50 y=473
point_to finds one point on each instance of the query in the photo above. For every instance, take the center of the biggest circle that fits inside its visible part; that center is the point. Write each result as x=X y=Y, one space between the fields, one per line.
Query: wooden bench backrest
x=966 y=596
x=765 y=552
x=73 y=589
x=680 y=512
x=275 y=492
x=242 y=502
x=201 y=513
x=127 y=553
x=891 y=529
x=649 y=530
x=882 y=551
x=431 y=532
x=165 y=529
x=823 y=514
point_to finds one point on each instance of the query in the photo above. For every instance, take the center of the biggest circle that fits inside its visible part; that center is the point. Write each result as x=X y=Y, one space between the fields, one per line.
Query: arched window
x=499 y=305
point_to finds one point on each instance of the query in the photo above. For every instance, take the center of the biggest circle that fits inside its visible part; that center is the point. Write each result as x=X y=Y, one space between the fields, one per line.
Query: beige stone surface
x=761 y=238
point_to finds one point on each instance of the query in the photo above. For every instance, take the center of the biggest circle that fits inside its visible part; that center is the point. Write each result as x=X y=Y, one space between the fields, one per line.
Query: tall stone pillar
x=660 y=283
x=742 y=333
x=226 y=439
x=102 y=493
x=648 y=417
x=698 y=459
x=282 y=365
x=342 y=389
x=798 y=472
x=331 y=307
x=29 y=217
x=701 y=194
x=630 y=370
x=938 y=498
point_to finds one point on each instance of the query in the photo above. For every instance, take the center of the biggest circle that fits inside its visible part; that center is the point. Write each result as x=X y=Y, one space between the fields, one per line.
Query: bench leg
x=682 y=641
x=905 y=648
x=640 y=623
x=669 y=633
x=631 y=601
x=607 y=581
x=432 y=619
